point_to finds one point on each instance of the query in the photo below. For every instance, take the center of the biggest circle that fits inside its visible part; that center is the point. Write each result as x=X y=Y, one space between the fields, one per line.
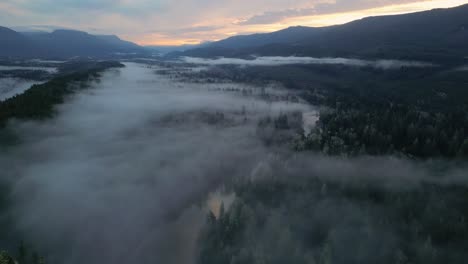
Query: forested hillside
x=291 y=217
x=63 y=44
x=440 y=34
x=307 y=209
x=415 y=112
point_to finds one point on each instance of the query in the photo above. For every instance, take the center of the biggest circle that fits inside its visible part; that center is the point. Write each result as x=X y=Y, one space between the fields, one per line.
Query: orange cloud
x=341 y=18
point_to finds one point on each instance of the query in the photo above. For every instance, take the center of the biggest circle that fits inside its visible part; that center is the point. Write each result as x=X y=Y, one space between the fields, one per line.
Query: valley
x=214 y=139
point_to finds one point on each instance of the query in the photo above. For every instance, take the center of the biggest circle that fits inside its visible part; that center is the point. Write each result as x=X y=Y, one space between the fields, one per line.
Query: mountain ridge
x=63 y=43
x=439 y=33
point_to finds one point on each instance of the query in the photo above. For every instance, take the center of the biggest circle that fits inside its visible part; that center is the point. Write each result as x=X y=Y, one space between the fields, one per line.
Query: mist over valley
x=343 y=144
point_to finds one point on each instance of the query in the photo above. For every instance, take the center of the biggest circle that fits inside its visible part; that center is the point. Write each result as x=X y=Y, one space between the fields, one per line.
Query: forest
x=379 y=179
x=39 y=101
x=310 y=220
x=390 y=130
x=413 y=112
x=303 y=216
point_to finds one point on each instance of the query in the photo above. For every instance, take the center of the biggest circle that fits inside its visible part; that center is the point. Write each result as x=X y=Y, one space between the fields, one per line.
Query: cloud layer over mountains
x=280 y=61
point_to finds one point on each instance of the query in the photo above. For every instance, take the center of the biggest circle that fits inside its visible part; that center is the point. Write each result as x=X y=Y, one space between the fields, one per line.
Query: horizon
x=196 y=30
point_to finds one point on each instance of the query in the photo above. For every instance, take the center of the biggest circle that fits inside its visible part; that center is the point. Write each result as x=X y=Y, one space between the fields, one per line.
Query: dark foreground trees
x=24 y=256
x=318 y=221
x=390 y=130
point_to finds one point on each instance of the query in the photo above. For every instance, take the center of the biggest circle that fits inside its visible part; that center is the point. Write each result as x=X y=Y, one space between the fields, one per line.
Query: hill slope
x=14 y=44
x=285 y=36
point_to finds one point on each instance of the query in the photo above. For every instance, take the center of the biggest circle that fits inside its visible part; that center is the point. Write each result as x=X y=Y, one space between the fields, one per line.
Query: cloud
x=185 y=31
x=319 y=8
x=463 y=68
x=276 y=16
x=279 y=61
x=44 y=28
x=196 y=29
x=53 y=7
x=339 y=6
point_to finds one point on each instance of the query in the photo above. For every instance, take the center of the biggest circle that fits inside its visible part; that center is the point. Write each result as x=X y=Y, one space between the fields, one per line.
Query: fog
x=29 y=68
x=46 y=61
x=391 y=173
x=126 y=171
x=279 y=61
x=10 y=87
x=118 y=174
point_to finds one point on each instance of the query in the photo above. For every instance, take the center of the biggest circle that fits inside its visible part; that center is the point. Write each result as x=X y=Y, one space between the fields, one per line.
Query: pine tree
x=326 y=254
x=22 y=253
x=35 y=258
x=5 y=258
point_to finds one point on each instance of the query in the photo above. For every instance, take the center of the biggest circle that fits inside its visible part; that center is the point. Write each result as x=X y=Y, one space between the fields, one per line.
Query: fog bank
x=10 y=87
x=118 y=175
x=279 y=61
x=28 y=68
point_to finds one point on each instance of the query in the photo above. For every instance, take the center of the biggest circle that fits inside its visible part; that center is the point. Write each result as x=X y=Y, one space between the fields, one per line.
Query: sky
x=178 y=22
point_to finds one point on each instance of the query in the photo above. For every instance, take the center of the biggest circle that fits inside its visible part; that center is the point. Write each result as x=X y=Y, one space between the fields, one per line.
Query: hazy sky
x=171 y=22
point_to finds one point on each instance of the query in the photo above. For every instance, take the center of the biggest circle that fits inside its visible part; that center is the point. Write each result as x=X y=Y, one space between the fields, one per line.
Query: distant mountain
x=435 y=34
x=123 y=45
x=285 y=36
x=13 y=43
x=181 y=48
x=63 y=44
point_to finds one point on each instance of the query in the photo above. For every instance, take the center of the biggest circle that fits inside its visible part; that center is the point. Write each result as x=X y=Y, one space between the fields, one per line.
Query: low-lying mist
x=279 y=61
x=29 y=68
x=117 y=175
x=10 y=87
x=122 y=173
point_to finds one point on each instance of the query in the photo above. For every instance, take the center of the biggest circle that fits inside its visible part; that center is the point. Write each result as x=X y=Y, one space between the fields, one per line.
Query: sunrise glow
x=190 y=22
